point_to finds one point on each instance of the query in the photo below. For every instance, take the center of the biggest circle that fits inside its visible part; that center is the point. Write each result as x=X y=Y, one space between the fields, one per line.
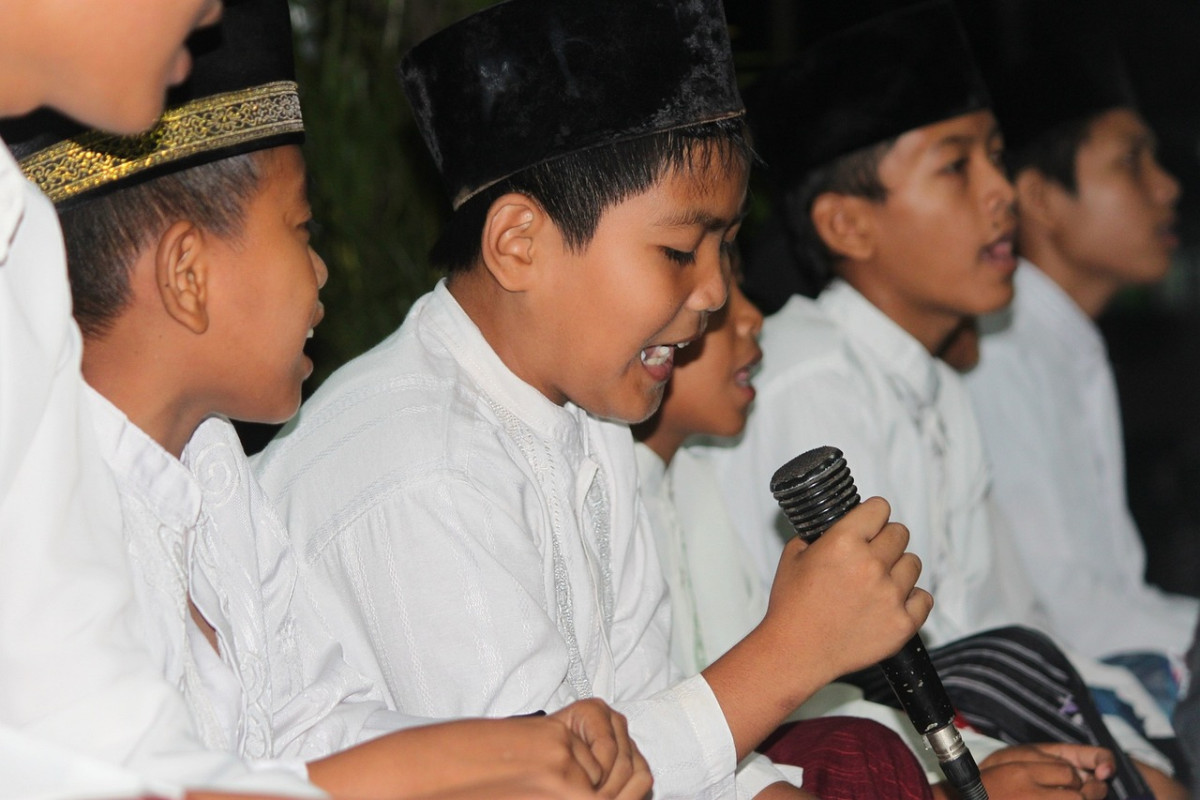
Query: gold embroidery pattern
x=93 y=159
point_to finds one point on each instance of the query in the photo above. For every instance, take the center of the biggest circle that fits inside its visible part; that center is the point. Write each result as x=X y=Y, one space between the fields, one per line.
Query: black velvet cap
x=241 y=96
x=526 y=81
x=864 y=85
x=1047 y=62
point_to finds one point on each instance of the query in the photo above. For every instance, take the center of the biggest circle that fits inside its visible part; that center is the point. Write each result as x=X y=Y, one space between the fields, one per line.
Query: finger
x=1055 y=774
x=863 y=523
x=906 y=570
x=640 y=781
x=585 y=761
x=1094 y=790
x=621 y=766
x=918 y=605
x=889 y=544
x=1085 y=757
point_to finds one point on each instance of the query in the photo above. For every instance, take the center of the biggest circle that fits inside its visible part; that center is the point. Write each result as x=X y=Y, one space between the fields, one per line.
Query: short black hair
x=855 y=174
x=1053 y=153
x=575 y=189
x=104 y=235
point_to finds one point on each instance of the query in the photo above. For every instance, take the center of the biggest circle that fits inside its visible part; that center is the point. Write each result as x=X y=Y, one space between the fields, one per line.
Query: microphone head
x=814 y=489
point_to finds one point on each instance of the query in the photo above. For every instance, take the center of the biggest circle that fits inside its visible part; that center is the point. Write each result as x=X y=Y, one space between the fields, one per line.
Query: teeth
x=310 y=334
x=657 y=355
x=682 y=345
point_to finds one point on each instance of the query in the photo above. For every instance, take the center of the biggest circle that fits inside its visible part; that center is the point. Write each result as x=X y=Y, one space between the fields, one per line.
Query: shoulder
x=806 y=351
x=401 y=420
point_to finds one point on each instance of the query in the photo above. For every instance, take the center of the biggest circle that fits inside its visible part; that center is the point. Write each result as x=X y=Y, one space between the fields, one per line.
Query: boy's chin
x=630 y=411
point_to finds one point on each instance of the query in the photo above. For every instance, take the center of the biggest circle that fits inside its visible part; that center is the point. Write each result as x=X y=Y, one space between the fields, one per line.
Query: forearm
x=755 y=707
x=784 y=791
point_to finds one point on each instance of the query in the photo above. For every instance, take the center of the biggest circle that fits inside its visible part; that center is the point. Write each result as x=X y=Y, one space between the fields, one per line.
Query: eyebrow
x=1143 y=139
x=710 y=222
x=967 y=140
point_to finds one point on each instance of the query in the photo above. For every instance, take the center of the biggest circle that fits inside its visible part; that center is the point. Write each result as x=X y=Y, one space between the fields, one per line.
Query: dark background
x=379 y=208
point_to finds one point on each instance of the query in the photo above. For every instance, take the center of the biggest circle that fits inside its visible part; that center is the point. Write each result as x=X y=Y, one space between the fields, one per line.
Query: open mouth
x=744 y=377
x=1000 y=251
x=658 y=355
x=318 y=315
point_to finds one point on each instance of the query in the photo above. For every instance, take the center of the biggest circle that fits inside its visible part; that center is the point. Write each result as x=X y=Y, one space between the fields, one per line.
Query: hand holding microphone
x=815 y=490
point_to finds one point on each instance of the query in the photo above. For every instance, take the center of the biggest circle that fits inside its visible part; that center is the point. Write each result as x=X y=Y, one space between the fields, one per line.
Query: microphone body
x=815 y=490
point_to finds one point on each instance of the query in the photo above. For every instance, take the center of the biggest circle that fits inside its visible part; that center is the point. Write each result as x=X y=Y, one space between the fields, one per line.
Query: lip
x=181 y=67
x=1000 y=252
x=661 y=373
x=1166 y=232
x=743 y=376
x=318 y=315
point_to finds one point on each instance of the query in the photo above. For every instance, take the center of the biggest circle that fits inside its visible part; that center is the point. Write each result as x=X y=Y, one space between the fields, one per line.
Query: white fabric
x=202 y=527
x=716 y=595
x=35 y=770
x=73 y=674
x=839 y=372
x=1047 y=405
x=481 y=550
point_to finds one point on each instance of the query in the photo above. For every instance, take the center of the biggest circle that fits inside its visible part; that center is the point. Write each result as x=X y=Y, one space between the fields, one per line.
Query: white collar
x=1067 y=326
x=12 y=200
x=447 y=319
x=142 y=467
x=895 y=349
x=652 y=470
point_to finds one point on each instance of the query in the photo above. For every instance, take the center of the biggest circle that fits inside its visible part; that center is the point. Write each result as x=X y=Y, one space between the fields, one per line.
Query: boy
x=455 y=492
x=191 y=241
x=888 y=160
x=77 y=697
x=715 y=596
x=1096 y=216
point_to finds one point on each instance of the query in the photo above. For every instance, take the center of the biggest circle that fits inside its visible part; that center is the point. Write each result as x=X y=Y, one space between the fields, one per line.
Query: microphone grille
x=815 y=489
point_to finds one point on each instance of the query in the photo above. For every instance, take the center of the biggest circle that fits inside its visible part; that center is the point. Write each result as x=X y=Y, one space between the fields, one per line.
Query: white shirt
x=482 y=551
x=716 y=594
x=1047 y=405
x=201 y=527
x=73 y=675
x=839 y=372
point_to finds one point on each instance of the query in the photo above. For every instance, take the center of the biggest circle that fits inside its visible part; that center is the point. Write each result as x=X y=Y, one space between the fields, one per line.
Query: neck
x=664 y=442
x=166 y=416
x=502 y=319
x=1091 y=292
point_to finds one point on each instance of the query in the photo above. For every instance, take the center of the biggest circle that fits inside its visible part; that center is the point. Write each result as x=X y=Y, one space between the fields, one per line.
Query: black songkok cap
x=241 y=96
x=1047 y=62
x=526 y=81
x=864 y=85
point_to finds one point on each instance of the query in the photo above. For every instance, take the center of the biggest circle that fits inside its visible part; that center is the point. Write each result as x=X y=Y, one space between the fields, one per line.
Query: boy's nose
x=712 y=290
x=1167 y=187
x=1001 y=197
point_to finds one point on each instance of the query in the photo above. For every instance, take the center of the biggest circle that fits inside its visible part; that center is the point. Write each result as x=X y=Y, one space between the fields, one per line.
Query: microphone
x=815 y=490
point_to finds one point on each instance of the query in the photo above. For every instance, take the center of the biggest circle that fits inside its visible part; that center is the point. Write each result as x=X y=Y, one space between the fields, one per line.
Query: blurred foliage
x=376 y=198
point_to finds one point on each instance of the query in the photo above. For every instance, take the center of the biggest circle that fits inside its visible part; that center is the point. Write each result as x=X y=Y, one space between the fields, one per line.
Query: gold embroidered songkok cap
x=241 y=96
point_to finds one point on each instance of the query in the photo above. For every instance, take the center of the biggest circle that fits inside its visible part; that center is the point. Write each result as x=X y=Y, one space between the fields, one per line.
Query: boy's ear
x=181 y=273
x=844 y=224
x=1038 y=198
x=510 y=233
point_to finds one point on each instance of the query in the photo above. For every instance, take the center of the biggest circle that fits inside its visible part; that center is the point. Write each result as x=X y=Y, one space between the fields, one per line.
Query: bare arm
x=840 y=604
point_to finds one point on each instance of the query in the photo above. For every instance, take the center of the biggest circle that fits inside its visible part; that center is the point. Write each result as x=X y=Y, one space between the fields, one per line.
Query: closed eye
x=956 y=167
x=679 y=256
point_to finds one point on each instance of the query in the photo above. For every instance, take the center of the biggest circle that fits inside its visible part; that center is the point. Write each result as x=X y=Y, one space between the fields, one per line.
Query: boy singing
x=466 y=490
